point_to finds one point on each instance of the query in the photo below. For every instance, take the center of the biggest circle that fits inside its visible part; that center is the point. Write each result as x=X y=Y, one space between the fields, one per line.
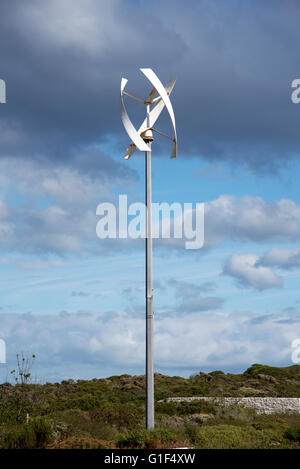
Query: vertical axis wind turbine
x=141 y=139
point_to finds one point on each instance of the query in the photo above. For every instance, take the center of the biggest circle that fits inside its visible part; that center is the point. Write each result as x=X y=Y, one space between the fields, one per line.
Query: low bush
x=185 y=407
x=293 y=434
x=237 y=437
x=133 y=439
x=35 y=434
x=119 y=416
x=235 y=413
x=19 y=438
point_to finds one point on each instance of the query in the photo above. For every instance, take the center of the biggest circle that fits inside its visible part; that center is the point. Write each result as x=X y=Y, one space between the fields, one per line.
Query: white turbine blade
x=158 y=107
x=129 y=152
x=129 y=127
x=155 y=81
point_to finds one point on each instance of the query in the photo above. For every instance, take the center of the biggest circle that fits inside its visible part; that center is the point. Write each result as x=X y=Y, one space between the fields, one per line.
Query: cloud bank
x=102 y=344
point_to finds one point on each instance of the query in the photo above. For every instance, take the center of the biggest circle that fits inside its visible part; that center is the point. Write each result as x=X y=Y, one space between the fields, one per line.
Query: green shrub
x=185 y=407
x=43 y=430
x=20 y=438
x=293 y=434
x=87 y=402
x=192 y=432
x=235 y=413
x=234 y=437
x=120 y=416
x=292 y=371
x=14 y=406
x=36 y=434
x=133 y=439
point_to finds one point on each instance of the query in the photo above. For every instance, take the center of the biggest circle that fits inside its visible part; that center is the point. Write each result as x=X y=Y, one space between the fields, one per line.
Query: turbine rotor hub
x=147 y=136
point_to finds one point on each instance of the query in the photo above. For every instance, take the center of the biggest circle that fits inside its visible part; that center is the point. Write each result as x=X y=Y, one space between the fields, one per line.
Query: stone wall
x=262 y=405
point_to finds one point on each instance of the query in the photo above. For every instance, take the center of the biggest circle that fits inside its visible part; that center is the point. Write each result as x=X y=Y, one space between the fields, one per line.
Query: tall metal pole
x=141 y=139
x=149 y=292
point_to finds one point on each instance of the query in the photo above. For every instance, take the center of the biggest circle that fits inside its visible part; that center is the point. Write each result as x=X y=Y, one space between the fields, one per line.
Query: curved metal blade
x=129 y=152
x=158 y=107
x=129 y=127
x=155 y=81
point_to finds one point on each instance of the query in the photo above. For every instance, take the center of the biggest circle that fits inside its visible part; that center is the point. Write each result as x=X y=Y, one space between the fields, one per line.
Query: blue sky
x=76 y=301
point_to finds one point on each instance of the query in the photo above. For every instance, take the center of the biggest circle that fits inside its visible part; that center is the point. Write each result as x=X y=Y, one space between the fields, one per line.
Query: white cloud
x=248 y=271
x=95 y=345
x=283 y=258
x=255 y=271
x=56 y=205
x=229 y=218
x=251 y=219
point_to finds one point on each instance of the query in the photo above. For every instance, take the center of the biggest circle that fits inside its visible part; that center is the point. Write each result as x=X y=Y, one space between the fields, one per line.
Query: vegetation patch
x=110 y=412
